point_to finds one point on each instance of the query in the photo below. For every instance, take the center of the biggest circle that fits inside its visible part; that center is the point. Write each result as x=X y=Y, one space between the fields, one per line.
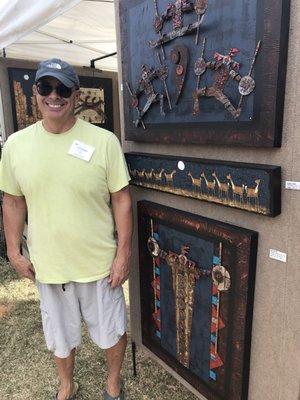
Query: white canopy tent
x=75 y=30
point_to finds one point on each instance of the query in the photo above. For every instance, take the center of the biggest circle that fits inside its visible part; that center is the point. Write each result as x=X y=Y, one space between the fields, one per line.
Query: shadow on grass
x=7 y=273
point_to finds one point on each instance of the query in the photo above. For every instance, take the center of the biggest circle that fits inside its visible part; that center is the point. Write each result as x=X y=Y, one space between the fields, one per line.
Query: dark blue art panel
x=220 y=84
x=250 y=187
x=196 y=296
x=201 y=252
x=226 y=24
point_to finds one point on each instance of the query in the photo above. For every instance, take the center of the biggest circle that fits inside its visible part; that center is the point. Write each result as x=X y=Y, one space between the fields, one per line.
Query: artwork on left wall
x=197 y=279
x=95 y=104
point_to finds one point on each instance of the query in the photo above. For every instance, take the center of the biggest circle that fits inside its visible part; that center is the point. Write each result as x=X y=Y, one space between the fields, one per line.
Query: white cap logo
x=54 y=65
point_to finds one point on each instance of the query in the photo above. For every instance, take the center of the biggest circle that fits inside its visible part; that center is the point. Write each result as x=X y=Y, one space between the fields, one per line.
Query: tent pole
x=101 y=58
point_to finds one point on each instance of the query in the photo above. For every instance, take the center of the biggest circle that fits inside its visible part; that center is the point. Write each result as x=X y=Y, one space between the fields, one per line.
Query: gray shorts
x=102 y=308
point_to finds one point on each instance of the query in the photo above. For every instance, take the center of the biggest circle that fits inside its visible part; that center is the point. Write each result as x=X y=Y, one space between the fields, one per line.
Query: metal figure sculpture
x=175 y=12
x=158 y=175
x=237 y=191
x=225 y=68
x=223 y=187
x=196 y=182
x=253 y=193
x=210 y=185
x=145 y=86
x=169 y=177
x=185 y=273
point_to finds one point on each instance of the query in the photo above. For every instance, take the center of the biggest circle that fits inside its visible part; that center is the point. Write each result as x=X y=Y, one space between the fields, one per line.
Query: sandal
x=121 y=395
x=73 y=396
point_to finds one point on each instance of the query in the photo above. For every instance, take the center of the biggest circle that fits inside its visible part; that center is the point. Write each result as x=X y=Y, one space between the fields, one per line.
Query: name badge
x=81 y=150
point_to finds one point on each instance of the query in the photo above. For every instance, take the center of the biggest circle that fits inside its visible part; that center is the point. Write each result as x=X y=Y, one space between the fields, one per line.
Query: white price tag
x=277 y=255
x=292 y=185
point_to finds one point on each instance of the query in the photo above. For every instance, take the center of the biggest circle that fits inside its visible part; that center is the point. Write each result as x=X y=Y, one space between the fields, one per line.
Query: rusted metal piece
x=180 y=57
x=158 y=26
x=200 y=7
x=199 y=69
x=200 y=64
x=247 y=83
x=145 y=87
x=175 y=12
x=224 y=68
x=163 y=76
x=185 y=273
x=135 y=104
x=221 y=277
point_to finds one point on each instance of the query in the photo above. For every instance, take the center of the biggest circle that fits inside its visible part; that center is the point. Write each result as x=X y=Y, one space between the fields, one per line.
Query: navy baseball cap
x=60 y=70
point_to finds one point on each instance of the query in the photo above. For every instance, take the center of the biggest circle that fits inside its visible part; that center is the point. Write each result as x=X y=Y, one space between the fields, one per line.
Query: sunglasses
x=44 y=89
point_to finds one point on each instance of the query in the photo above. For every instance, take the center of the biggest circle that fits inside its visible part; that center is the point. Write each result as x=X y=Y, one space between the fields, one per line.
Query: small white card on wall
x=292 y=185
x=278 y=255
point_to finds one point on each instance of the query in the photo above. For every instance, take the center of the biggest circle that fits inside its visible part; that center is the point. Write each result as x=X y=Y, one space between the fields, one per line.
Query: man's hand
x=119 y=271
x=23 y=266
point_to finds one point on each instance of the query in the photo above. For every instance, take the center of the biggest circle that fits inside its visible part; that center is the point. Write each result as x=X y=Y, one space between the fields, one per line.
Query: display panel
x=250 y=187
x=197 y=280
x=204 y=71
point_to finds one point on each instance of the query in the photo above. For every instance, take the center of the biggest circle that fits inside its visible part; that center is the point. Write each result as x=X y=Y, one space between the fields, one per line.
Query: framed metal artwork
x=251 y=187
x=204 y=71
x=197 y=280
x=95 y=103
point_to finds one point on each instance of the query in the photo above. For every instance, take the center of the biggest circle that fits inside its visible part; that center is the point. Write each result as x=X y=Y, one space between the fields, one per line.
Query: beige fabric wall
x=5 y=91
x=275 y=355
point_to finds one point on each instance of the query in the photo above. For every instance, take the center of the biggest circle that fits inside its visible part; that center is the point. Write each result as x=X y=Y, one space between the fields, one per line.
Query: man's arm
x=14 y=214
x=121 y=206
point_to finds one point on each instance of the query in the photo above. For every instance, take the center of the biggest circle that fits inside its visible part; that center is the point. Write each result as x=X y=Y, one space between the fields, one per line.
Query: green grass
x=27 y=371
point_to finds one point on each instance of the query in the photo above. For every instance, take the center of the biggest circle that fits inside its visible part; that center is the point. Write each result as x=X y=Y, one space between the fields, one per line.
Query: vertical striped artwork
x=216 y=324
x=156 y=287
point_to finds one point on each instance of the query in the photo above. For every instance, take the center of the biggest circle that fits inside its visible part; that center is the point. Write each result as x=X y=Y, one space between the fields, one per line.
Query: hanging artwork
x=204 y=71
x=251 y=187
x=95 y=103
x=197 y=285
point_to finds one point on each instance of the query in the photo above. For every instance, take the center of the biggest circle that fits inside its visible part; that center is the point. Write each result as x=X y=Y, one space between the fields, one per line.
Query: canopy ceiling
x=76 y=31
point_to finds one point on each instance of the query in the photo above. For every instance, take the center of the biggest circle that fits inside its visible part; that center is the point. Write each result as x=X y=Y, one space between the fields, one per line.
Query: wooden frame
x=260 y=123
x=251 y=187
x=198 y=323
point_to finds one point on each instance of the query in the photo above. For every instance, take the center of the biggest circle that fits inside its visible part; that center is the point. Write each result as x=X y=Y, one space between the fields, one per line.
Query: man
x=71 y=179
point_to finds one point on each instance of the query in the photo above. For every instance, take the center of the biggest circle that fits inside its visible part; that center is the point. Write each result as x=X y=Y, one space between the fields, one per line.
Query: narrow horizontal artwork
x=250 y=187
x=95 y=104
x=197 y=280
x=204 y=71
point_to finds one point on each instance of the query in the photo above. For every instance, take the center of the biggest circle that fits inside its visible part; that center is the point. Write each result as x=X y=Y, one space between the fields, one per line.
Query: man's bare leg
x=114 y=358
x=65 y=368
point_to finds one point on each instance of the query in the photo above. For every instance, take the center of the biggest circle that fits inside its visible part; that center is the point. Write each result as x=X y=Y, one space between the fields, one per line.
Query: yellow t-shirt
x=70 y=221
